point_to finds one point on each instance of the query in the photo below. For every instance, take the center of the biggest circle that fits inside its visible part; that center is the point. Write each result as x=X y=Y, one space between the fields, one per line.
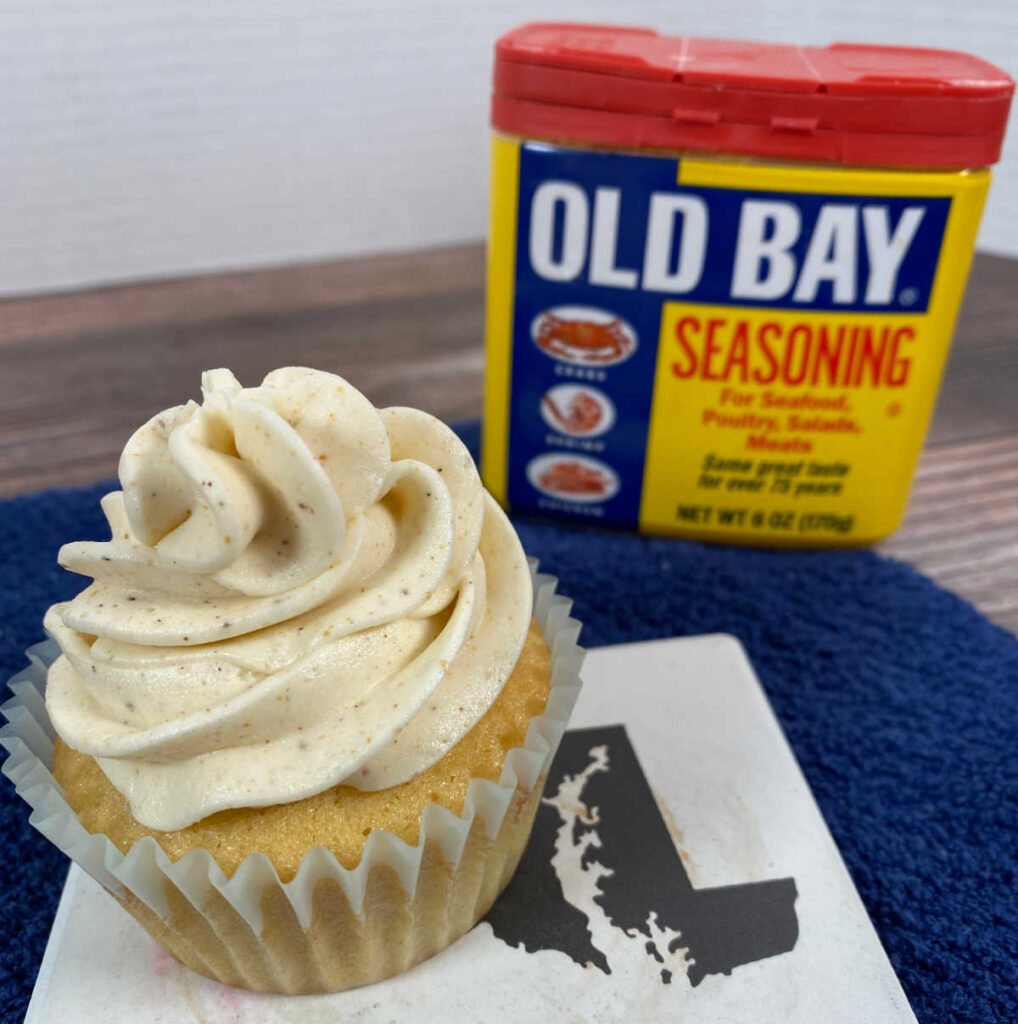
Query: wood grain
x=962 y=524
x=81 y=371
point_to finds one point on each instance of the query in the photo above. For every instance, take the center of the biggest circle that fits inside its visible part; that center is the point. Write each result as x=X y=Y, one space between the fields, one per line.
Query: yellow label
x=760 y=419
x=505 y=158
x=716 y=348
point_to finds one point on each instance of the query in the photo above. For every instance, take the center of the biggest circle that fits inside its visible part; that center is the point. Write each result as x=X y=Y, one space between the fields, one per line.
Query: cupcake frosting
x=300 y=590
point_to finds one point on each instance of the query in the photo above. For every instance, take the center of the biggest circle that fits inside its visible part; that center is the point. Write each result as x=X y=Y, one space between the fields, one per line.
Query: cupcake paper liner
x=330 y=927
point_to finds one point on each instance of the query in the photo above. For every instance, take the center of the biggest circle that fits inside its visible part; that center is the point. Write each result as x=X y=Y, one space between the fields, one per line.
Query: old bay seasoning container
x=723 y=276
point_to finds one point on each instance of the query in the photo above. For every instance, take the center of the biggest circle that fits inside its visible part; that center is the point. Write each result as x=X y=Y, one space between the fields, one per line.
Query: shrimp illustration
x=582 y=415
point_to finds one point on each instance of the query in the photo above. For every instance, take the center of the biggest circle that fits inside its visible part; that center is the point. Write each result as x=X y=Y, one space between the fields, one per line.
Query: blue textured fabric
x=899 y=699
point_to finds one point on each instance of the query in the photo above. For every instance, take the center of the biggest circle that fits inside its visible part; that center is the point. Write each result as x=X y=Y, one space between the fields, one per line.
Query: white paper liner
x=144 y=871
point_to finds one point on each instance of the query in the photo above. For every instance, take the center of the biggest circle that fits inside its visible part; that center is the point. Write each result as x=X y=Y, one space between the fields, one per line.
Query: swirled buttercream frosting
x=300 y=590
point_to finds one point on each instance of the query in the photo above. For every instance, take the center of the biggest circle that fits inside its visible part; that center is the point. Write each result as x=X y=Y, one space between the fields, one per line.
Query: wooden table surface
x=81 y=371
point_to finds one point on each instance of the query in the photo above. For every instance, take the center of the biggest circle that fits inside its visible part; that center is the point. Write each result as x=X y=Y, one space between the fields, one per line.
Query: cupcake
x=304 y=712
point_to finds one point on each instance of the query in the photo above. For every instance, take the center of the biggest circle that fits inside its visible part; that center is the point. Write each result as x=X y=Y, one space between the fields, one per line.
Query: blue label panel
x=588 y=308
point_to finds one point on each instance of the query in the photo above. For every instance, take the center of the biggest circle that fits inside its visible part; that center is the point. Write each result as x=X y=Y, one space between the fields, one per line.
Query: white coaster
x=679 y=869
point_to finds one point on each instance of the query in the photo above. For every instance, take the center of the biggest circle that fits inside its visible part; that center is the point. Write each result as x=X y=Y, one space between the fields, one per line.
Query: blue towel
x=899 y=699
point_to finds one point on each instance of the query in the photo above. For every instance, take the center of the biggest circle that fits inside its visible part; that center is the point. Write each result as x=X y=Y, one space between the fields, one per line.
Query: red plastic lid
x=850 y=104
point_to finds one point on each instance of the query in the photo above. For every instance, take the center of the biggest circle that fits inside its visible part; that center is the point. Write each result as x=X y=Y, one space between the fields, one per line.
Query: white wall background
x=143 y=139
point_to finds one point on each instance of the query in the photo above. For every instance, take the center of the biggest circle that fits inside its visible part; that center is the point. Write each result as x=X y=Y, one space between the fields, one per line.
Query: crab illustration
x=583 y=341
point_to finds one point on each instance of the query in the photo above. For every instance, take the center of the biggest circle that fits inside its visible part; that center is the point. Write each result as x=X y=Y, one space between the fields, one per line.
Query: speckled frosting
x=300 y=590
